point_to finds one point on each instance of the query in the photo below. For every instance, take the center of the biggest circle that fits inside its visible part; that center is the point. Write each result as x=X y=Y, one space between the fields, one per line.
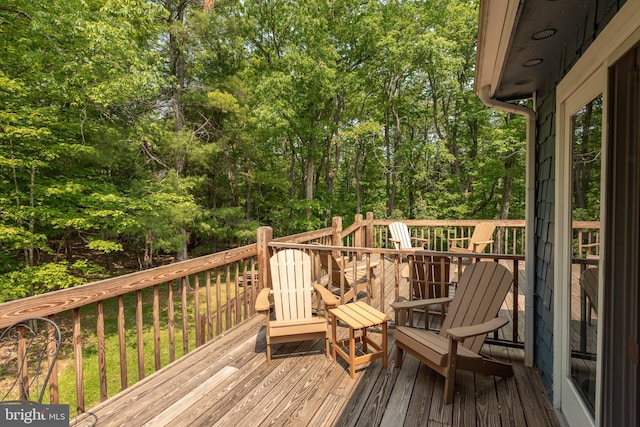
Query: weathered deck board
x=228 y=382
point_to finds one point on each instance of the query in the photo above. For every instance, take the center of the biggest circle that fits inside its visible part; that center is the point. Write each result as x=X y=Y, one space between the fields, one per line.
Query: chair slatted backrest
x=481 y=233
x=291 y=284
x=430 y=272
x=400 y=232
x=481 y=291
x=352 y=273
x=330 y=263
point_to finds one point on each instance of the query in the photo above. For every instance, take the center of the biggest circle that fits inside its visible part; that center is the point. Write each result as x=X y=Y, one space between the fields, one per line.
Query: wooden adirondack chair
x=401 y=238
x=470 y=317
x=291 y=297
x=589 y=282
x=358 y=276
x=431 y=277
x=478 y=241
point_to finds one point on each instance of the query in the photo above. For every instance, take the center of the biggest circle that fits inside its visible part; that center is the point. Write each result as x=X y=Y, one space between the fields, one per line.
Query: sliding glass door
x=579 y=172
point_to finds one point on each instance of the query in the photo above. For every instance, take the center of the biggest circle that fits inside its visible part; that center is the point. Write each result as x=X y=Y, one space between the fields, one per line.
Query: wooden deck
x=227 y=382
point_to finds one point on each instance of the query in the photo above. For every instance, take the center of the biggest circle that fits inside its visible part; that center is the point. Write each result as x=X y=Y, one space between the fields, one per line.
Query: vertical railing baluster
x=341 y=284
x=254 y=284
x=196 y=309
x=171 y=322
x=228 y=304
x=102 y=357
x=516 y=274
x=207 y=276
x=140 y=334
x=383 y=289
x=244 y=292
x=237 y=297
x=23 y=362
x=185 y=315
x=77 y=351
x=156 y=327
x=123 y=344
x=54 y=395
x=218 y=303
x=396 y=292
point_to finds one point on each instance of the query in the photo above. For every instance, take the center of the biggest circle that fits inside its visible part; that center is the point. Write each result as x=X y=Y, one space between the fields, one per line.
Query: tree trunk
x=582 y=164
x=390 y=195
x=182 y=254
x=397 y=142
x=309 y=179
x=359 y=149
x=247 y=197
x=292 y=165
x=177 y=69
x=147 y=262
x=332 y=163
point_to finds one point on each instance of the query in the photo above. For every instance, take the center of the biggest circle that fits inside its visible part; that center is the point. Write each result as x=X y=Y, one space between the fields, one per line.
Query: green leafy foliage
x=36 y=280
x=132 y=128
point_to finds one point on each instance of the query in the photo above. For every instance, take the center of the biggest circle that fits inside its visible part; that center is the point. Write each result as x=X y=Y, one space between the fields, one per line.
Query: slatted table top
x=359 y=315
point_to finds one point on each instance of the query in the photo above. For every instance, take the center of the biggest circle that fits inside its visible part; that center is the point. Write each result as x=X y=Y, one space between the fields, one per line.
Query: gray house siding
x=545 y=181
x=594 y=21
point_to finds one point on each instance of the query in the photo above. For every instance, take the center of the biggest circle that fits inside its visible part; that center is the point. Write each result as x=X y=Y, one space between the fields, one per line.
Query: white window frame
x=571 y=405
x=584 y=81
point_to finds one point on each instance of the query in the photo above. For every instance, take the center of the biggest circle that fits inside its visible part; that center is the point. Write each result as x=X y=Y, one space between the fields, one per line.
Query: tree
x=138 y=128
x=67 y=98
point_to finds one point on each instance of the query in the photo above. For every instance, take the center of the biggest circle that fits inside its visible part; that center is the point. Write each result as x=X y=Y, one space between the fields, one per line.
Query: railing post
x=264 y=236
x=358 y=233
x=336 y=231
x=369 y=231
x=336 y=234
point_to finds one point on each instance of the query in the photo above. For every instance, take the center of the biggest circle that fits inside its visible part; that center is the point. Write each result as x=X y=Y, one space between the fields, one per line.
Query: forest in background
x=141 y=128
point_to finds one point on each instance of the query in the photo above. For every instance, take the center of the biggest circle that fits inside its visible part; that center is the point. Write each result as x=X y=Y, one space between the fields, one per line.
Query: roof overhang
x=496 y=25
x=523 y=44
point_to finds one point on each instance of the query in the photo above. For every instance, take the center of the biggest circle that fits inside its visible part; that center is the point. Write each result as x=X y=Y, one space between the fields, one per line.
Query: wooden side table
x=359 y=316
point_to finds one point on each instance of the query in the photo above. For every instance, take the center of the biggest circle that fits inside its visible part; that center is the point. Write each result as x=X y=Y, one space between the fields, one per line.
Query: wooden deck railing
x=168 y=311
x=190 y=302
x=396 y=261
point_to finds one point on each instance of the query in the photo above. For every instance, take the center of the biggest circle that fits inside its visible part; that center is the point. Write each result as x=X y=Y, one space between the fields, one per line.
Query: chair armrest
x=590 y=245
x=419 y=239
x=456 y=239
x=476 y=244
x=362 y=265
x=453 y=241
x=329 y=299
x=459 y=249
x=463 y=332
x=409 y=304
x=402 y=307
x=262 y=301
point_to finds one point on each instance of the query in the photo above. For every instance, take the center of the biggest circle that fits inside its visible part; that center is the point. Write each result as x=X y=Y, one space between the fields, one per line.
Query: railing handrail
x=66 y=299
x=386 y=251
x=306 y=236
x=451 y=222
